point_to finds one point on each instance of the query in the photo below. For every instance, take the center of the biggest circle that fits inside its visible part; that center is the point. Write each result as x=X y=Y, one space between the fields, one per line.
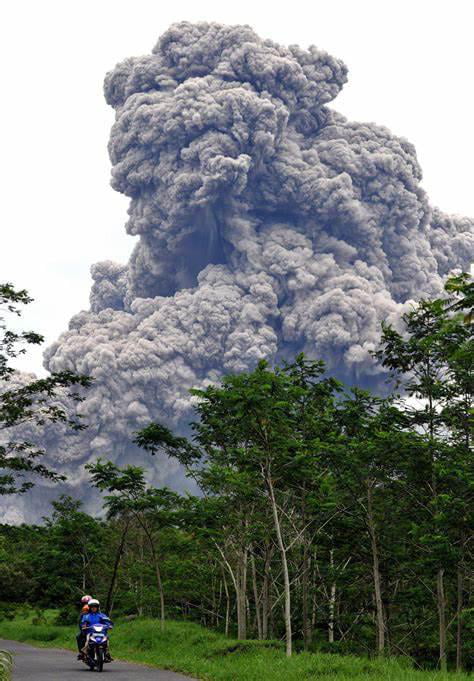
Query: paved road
x=50 y=664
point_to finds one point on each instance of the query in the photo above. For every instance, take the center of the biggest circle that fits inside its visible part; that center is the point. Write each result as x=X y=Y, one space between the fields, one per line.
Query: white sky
x=410 y=68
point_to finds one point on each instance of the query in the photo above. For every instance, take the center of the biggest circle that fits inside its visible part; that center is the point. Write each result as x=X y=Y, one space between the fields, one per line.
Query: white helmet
x=93 y=602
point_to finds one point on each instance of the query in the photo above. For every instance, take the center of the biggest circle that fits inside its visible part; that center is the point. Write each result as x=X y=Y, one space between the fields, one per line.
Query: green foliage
x=463 y=289
x=33 y=402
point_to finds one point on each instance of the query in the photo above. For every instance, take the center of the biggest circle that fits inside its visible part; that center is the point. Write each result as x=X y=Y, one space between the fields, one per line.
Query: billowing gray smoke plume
x=268 y=224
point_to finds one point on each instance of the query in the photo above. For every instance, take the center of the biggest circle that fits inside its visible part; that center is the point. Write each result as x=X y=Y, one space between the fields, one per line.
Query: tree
x=433 y=360
x=368 y=458
x=64 y=563
x=260 y=431
x=130 y=497
x=34 y=402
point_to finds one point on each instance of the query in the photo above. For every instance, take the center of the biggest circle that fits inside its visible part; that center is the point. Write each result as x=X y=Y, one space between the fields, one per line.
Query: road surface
x=51 y=664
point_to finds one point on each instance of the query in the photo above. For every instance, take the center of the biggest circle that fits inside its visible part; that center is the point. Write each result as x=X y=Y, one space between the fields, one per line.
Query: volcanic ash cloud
x=268 y=224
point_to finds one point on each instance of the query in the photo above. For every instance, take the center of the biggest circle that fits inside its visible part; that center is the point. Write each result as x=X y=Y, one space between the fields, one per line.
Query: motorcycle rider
x=81 y=636
x=95 y=616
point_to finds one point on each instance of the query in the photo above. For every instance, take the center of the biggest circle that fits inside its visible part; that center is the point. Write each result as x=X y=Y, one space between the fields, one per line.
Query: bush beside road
x=5 y=666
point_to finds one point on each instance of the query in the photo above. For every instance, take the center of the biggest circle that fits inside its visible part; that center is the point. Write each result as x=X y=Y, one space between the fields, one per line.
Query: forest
x=328 y=517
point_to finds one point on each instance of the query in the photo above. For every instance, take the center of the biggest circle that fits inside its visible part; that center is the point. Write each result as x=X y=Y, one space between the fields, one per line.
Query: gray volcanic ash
x=268 y=224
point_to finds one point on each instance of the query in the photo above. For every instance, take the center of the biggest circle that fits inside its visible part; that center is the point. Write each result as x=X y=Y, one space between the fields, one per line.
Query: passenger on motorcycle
x=94 y=616
x=81 y=636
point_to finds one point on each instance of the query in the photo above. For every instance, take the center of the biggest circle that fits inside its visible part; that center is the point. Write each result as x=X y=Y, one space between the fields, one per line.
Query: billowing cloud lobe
x=268 y=224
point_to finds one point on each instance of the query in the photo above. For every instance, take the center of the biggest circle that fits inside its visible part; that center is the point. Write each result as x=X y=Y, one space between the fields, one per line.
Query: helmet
x=94 y=603
x=86 y=599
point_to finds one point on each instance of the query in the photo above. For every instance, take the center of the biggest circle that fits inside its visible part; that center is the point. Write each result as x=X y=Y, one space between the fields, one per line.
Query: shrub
x=67 y=616
x=6 y=665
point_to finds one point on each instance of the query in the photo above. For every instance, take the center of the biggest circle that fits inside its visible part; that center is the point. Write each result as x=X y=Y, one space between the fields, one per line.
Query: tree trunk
x=161 y=591
x=213 y=599
x=256 y=598
x=140 y=582
x=313 y=585
x=156 y=565
x=441 y=619
x=284 y=563
x=219 y=603
x=249 y=615
x=83 y=574
x=332 y=599
x=380 y=621
x=118 y=556
x=239 y=581
x=227 y=604
x=307 y=631
x=266 y=593
x=459 y=609
x=305 y=577
x=242 y=594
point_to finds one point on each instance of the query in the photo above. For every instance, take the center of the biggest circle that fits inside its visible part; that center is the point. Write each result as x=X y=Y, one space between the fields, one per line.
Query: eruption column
x=268 y=224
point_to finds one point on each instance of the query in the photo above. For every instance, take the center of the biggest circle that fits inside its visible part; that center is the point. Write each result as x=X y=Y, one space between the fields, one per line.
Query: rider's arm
x=106 y=620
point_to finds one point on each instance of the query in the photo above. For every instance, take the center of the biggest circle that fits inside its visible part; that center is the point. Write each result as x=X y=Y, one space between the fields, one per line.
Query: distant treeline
x=328 y=517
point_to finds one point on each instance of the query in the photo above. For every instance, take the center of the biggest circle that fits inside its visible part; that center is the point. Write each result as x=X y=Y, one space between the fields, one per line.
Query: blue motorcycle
x=97 y=646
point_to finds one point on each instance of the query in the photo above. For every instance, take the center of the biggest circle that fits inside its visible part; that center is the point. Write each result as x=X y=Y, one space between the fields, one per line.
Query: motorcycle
x=96 y=647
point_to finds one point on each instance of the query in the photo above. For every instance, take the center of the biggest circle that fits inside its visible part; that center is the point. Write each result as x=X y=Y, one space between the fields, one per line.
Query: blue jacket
x=92 y=618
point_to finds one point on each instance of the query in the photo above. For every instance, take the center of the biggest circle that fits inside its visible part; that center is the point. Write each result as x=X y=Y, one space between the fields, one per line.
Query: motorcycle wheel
x=100 y=659
x=90 y=661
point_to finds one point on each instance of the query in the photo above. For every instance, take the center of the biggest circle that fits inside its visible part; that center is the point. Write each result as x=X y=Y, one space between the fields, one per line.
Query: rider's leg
x=81 y=639
x=108 y=656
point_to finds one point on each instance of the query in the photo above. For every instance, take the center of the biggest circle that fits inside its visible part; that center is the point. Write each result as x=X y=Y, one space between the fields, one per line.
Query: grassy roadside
x=190 y=649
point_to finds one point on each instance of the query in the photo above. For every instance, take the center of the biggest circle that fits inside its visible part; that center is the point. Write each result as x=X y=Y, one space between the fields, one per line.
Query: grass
x=204 y=654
